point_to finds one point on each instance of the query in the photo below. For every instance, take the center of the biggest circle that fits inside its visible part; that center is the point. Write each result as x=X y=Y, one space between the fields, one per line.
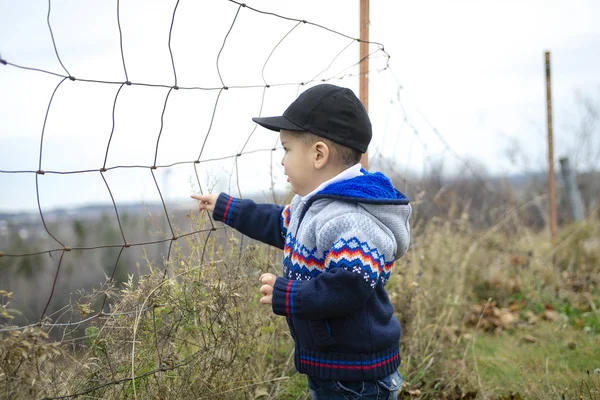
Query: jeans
x=383 y=389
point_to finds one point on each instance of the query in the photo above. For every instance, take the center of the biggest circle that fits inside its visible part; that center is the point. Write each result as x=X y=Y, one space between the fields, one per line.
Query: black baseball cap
x=328 y=111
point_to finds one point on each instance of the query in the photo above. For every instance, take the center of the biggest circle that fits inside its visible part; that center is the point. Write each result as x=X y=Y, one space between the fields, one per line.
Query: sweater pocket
x=320 y=333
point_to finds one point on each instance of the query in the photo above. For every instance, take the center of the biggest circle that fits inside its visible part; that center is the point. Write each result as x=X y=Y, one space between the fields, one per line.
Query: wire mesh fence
x=77 y=324
x=112 y=332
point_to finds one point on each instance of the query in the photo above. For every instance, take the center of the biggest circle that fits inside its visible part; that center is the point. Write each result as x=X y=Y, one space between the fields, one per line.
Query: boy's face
x=298 y=163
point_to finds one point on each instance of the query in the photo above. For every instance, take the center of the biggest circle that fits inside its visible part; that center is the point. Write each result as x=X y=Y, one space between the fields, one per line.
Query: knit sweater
x=338 y=252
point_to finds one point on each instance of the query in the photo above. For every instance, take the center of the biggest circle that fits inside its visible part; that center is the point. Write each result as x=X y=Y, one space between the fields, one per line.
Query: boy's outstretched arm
x=265 y=222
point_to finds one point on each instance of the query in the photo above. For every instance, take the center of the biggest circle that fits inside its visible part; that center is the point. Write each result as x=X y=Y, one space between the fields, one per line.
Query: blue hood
x=374 y=188
x=379 y=198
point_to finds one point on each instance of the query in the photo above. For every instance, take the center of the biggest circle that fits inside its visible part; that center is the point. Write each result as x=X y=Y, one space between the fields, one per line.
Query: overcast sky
x=472 y=69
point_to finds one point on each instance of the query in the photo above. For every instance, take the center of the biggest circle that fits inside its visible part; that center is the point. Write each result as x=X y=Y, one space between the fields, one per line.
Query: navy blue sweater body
x=339 y=249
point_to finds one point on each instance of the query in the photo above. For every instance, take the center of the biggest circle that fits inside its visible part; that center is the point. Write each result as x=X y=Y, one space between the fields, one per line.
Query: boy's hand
x=206 y=201
x=268 y=281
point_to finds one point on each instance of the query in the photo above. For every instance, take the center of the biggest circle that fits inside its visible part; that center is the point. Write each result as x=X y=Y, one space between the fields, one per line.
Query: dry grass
x=460 y=286
x=199 y=331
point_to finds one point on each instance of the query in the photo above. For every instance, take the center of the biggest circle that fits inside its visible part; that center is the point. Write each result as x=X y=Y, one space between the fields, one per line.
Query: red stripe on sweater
x=318 y=364
x=366 y=259
x=227 y=209
x=287 y=298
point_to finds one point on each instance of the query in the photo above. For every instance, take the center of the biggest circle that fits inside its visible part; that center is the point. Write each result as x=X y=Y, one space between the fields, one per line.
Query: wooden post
x=551 y=189
x=364 y=65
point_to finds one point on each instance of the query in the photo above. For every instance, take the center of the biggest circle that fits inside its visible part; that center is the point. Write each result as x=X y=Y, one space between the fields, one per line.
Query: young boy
x=340 y=236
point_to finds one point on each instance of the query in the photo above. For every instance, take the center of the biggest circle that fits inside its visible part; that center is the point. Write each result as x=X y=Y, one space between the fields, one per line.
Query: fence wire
x=63 y=247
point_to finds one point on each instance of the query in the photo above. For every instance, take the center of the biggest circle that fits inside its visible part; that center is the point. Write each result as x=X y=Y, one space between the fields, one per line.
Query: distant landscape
x=96 y=225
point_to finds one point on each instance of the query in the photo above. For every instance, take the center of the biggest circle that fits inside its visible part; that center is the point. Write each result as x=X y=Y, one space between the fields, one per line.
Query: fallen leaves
x=551 y=315
x=489 y=317
x=529 y=339
x=448 y=393
x=531 y=317
x=261 y=392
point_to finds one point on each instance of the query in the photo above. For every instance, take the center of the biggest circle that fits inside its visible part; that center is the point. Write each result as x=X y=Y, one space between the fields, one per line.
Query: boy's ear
x=321 y=154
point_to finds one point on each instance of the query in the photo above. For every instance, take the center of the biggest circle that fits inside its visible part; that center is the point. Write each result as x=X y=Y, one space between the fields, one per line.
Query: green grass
x=560 y=358
x=295 y=388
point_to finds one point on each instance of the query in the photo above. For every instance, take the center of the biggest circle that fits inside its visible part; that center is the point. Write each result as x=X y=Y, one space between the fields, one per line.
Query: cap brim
x=277 y=124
